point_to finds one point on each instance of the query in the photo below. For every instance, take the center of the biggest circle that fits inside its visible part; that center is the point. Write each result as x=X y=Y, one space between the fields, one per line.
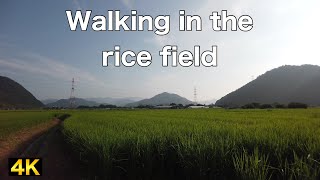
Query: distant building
x=198 y=107
x=215 y=107
x=163 y=107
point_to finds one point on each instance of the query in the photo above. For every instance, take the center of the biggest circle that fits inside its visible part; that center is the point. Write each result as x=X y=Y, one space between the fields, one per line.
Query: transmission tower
x=72 y=99
x=195 y=95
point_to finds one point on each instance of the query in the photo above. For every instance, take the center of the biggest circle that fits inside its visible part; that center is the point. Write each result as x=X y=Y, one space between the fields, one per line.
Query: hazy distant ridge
x=162 y=99
x=64 y=103
x=115 y=101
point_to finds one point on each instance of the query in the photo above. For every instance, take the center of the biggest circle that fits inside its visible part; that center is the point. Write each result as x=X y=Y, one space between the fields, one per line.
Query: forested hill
x=13 y=95
x=281 y=85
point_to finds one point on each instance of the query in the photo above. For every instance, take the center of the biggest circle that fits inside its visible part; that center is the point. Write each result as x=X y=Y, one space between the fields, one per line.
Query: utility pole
x=72 y=99
x=195 y=95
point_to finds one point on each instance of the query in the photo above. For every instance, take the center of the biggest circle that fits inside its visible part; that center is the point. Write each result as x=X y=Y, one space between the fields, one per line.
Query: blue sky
x=38 y=50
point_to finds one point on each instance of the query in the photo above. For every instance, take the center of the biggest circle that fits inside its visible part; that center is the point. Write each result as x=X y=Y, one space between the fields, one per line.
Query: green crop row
x=197 y=144
x=12 y=121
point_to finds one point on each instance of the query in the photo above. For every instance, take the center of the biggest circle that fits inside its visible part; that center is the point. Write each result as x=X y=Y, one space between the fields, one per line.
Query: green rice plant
x=253 y=166
x=197 y=143
x=12 y=121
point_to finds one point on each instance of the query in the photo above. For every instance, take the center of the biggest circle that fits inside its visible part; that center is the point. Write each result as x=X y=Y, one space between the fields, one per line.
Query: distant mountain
x=47 y=101
x=115 y=101
x=162 y=99
x=282 y=85
x=13 y=95
x=64 y=103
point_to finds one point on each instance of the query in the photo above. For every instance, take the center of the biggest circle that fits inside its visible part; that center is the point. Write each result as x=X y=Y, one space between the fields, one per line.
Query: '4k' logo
x=25 y=166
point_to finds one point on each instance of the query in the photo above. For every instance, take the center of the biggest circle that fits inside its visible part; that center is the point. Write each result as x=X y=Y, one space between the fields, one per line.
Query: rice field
x=12 y=121
x=197 y=144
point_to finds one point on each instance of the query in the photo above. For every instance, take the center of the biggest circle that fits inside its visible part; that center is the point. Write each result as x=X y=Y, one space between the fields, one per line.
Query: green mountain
x=13 y=95
x=64 y=103
x=281 y=85
x=161 y=99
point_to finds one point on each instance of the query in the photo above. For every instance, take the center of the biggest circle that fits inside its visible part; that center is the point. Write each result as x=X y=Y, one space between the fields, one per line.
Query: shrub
x=280 y=106
x=251 y=106
x=297 y=105
x=266 y=106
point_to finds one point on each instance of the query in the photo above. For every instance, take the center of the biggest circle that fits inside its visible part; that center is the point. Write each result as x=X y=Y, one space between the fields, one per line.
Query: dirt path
x=42 y=141
x=17 y=142
x=59 y=162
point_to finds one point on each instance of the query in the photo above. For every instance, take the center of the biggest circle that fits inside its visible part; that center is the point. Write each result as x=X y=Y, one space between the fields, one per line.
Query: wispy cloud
x=44 y=66
x=77 y=4
x=127 y=3
x=5 y=42
x=160 y=40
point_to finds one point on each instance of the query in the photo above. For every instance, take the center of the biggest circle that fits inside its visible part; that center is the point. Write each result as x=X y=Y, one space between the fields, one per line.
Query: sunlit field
x=197 y=144
x=13 y=121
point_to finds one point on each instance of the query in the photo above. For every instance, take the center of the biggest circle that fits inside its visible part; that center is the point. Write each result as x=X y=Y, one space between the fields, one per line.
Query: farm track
x=42 y=141
x=17 y=142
